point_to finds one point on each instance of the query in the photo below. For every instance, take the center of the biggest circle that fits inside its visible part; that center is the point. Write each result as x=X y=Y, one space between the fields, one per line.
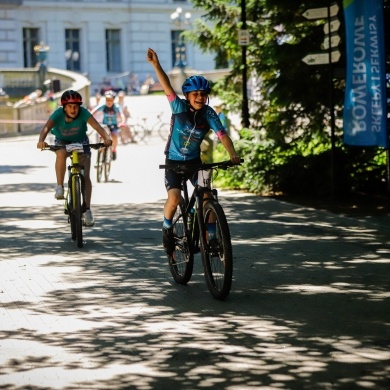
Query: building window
x=178 y=46
x=30 y=39
x=113 y=51
x=72 y=49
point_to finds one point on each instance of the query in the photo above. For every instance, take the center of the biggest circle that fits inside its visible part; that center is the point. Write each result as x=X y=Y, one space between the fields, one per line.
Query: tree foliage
x=289 y=136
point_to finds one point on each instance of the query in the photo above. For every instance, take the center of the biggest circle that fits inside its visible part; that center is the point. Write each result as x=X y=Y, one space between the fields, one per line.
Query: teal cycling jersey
x=188 y=128
x=74 y=131
x=110 y=114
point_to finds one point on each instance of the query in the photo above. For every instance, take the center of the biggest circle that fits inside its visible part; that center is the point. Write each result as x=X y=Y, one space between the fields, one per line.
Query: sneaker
x=113 y=156
x=88 y=218
x=59 y=192
x=168 y=240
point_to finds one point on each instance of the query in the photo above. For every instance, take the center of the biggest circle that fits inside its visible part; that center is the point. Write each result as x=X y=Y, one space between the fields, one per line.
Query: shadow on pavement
x=308 y=307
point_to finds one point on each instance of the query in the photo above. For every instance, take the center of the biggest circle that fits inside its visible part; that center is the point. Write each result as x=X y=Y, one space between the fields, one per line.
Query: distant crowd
x=132 y=87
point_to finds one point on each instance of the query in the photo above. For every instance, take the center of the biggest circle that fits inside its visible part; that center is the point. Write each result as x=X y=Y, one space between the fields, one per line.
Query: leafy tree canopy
x=290 y=120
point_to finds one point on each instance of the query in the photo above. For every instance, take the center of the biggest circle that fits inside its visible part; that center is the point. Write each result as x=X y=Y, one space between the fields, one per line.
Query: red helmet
x=71 y=97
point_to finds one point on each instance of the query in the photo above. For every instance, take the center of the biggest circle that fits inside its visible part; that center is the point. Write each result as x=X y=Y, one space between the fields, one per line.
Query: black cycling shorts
x=174 y=179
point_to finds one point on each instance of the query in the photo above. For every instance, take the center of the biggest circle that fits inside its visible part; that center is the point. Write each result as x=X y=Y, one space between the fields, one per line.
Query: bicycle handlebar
x=179 y=167
x=53 y=148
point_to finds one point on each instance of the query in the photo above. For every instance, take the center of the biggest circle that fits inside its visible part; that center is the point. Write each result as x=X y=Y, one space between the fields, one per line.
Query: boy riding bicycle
x=69 y=125
x=111 y=113
x=192 y=119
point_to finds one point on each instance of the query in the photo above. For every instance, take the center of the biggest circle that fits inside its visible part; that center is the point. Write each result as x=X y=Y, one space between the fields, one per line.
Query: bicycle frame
x=196 y=202
x=197 y=197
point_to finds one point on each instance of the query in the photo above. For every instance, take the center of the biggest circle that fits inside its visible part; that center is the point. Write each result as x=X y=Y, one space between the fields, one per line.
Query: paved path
x=309 y=307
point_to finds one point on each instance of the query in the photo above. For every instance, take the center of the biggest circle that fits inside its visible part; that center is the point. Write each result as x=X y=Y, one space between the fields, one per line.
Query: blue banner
x=365 y=110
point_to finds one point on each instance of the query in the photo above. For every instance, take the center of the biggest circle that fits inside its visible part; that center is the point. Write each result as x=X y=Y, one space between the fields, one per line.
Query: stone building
x=103 y=39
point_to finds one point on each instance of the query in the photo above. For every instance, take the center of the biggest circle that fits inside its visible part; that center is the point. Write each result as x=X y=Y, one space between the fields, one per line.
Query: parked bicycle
x=143 y=131
x=191 y=236
x=74 y=204
x=103 y=162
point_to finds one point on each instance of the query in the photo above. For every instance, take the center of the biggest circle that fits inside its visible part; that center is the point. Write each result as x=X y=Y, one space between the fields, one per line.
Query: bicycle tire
x=218 y=260
x=99 y=165
x=181 y=262
x=77 y=210
x=147 y=135
x=71 y=215
x=107 y=163
x=138 y=132
x=163 y=131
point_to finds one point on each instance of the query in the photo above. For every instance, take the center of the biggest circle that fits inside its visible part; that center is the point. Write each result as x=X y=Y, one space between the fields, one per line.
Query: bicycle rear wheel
x=138 y=132
x=181 y=262
x=163 y=131
x=78 y=222
x=99 y=164
x=107 y=163
x=217 y=253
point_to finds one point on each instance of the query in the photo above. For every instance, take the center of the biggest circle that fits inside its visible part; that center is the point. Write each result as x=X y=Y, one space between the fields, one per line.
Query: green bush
x=302 y=168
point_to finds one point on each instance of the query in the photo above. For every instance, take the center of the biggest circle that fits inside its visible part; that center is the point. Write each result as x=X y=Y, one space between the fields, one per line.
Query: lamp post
x=180 y=47
x=245 y=108
x=41 y=51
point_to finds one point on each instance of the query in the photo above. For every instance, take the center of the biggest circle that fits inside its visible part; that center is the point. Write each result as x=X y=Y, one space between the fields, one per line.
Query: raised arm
x=161 y=75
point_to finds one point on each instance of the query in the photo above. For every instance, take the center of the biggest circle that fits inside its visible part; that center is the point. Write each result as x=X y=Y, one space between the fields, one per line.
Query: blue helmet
x=196 y=83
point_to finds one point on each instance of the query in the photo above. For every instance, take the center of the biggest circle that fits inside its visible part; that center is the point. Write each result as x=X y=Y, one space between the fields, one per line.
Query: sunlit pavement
x=309 y=307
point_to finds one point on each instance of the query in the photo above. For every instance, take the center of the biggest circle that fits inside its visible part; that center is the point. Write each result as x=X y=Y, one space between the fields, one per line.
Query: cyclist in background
x=223 y=118
x=125 y=131
x=192 y=118
x=69 y=124
x=111 y=113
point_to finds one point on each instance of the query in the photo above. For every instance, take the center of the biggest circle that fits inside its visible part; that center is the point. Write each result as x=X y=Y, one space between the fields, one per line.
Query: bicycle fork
x=74 y=173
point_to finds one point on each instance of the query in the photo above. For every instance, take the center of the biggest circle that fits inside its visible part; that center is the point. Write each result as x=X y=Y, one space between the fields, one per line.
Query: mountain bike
x=103 y=161
x=191 y=230
x=74 y=205
x=138 y=129
x=144 y=131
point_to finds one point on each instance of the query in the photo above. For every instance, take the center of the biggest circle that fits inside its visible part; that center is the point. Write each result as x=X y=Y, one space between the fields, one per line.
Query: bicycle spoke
x=217 y=253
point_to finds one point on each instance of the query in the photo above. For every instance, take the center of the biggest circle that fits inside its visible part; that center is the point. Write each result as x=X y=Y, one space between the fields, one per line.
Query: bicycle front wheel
x=72 y=219
x=107 y=163
x=99 y=164
x=217 y=253
x=78 y=223
x=181 y=262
